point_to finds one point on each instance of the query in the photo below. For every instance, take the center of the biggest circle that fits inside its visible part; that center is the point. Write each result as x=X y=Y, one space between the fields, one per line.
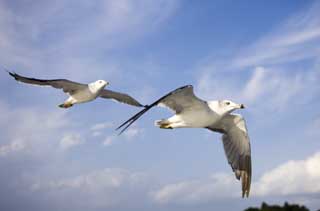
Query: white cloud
x=101 y=188
x=107 y=178
x=109 y=141
x=274 y=78
x=293 y=40
x=101 y=126
x=70 y=140
x=275 y=89
x=38 y=36
x=128 y=135
x=293 y=177
x=14 y=146
x=256 y=84
x=96 y=130
x=133 y=132
x=198 y=191
x=30 y=129
x=266 y=89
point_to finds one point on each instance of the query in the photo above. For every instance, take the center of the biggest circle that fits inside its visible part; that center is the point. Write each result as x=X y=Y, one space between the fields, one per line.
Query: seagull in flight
x=78 y=92
x=216 y=116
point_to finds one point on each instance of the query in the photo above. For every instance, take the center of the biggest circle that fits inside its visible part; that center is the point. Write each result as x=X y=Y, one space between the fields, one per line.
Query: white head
x=98 y=85
x=224 y=106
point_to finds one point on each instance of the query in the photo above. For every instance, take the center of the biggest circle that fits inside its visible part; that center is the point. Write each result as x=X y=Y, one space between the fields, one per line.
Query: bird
x=216 y=116
x=79 y=92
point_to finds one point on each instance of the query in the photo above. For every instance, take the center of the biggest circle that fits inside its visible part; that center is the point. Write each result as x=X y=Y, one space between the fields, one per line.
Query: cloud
x=277 y=89
x=293 y=177
x=128 y=135
x=101 y=126
x=273 y=75
x=109 y=141
x=255 y=85
x=98 y=189
x=198 y=191
x=96 y=130
x=266 y=88
x=29 y=129
x=36 y=37
x=71 y=140
x=14 y=146
x=295 y=39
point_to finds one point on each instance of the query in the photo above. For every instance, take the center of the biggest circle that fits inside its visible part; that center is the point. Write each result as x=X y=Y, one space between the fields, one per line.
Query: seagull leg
x=65 y=105
x=163 y=124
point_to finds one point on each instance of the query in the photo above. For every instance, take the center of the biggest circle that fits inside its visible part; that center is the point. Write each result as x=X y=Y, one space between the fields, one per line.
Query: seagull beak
x=242 y=106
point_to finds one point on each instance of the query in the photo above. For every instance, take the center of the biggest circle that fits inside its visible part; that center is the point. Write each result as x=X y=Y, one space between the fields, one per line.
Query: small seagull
x=192 y=112
x=78 y=92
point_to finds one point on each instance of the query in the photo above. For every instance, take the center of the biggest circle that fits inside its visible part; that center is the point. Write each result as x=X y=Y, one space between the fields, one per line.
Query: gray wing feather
x=182 y=99
x=66 y=85
x=173 y=100
x=236 y=145
x=120 y=97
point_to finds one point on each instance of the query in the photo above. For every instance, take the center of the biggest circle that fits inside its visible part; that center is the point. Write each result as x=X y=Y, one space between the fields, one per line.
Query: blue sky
x=262 y=54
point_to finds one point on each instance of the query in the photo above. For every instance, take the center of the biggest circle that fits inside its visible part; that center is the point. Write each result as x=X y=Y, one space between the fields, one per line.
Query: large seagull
x=78 y=92
x=192 y=112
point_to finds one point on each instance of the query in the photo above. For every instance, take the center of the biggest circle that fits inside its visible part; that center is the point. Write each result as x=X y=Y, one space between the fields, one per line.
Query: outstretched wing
x=178 y=100
x=236 y=145
x=181 y=99
x=120 y=97
x=66 y=85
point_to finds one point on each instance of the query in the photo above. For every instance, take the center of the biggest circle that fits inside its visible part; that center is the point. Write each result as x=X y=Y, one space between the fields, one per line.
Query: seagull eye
x=227 y=103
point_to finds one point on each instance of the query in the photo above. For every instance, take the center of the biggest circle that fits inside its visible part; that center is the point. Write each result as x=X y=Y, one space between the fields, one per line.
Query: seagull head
x=100 y=84
x=227 y=106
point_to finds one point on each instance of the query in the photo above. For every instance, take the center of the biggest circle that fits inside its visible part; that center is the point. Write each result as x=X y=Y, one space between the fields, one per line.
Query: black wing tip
x=140 y=105
x=185 y=86
x=13 y=74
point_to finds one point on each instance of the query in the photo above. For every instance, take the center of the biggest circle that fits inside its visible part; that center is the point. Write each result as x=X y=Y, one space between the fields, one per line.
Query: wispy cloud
x=295 y=39
x=273 y=76
x=29 y=41
x=70 y=140
x=30 y=129
x=101 y=188
x=129 y=135
x=14 y=146
x=101 y=126
x=97 y=129
x=197 y=191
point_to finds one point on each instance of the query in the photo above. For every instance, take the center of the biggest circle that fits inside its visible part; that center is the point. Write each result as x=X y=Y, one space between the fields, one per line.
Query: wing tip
x=246 y=183
x=13 y=74
x=185 y=86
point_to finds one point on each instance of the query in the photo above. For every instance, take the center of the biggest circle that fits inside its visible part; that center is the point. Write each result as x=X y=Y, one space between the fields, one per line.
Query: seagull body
x=78 y=92
x=192 y=112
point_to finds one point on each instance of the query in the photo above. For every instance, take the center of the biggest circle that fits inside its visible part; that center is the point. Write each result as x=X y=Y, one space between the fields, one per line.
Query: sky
x=264 y=54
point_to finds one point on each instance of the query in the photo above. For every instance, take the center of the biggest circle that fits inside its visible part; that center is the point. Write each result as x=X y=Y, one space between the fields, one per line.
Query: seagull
x=78 y=92
x=216 y=116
